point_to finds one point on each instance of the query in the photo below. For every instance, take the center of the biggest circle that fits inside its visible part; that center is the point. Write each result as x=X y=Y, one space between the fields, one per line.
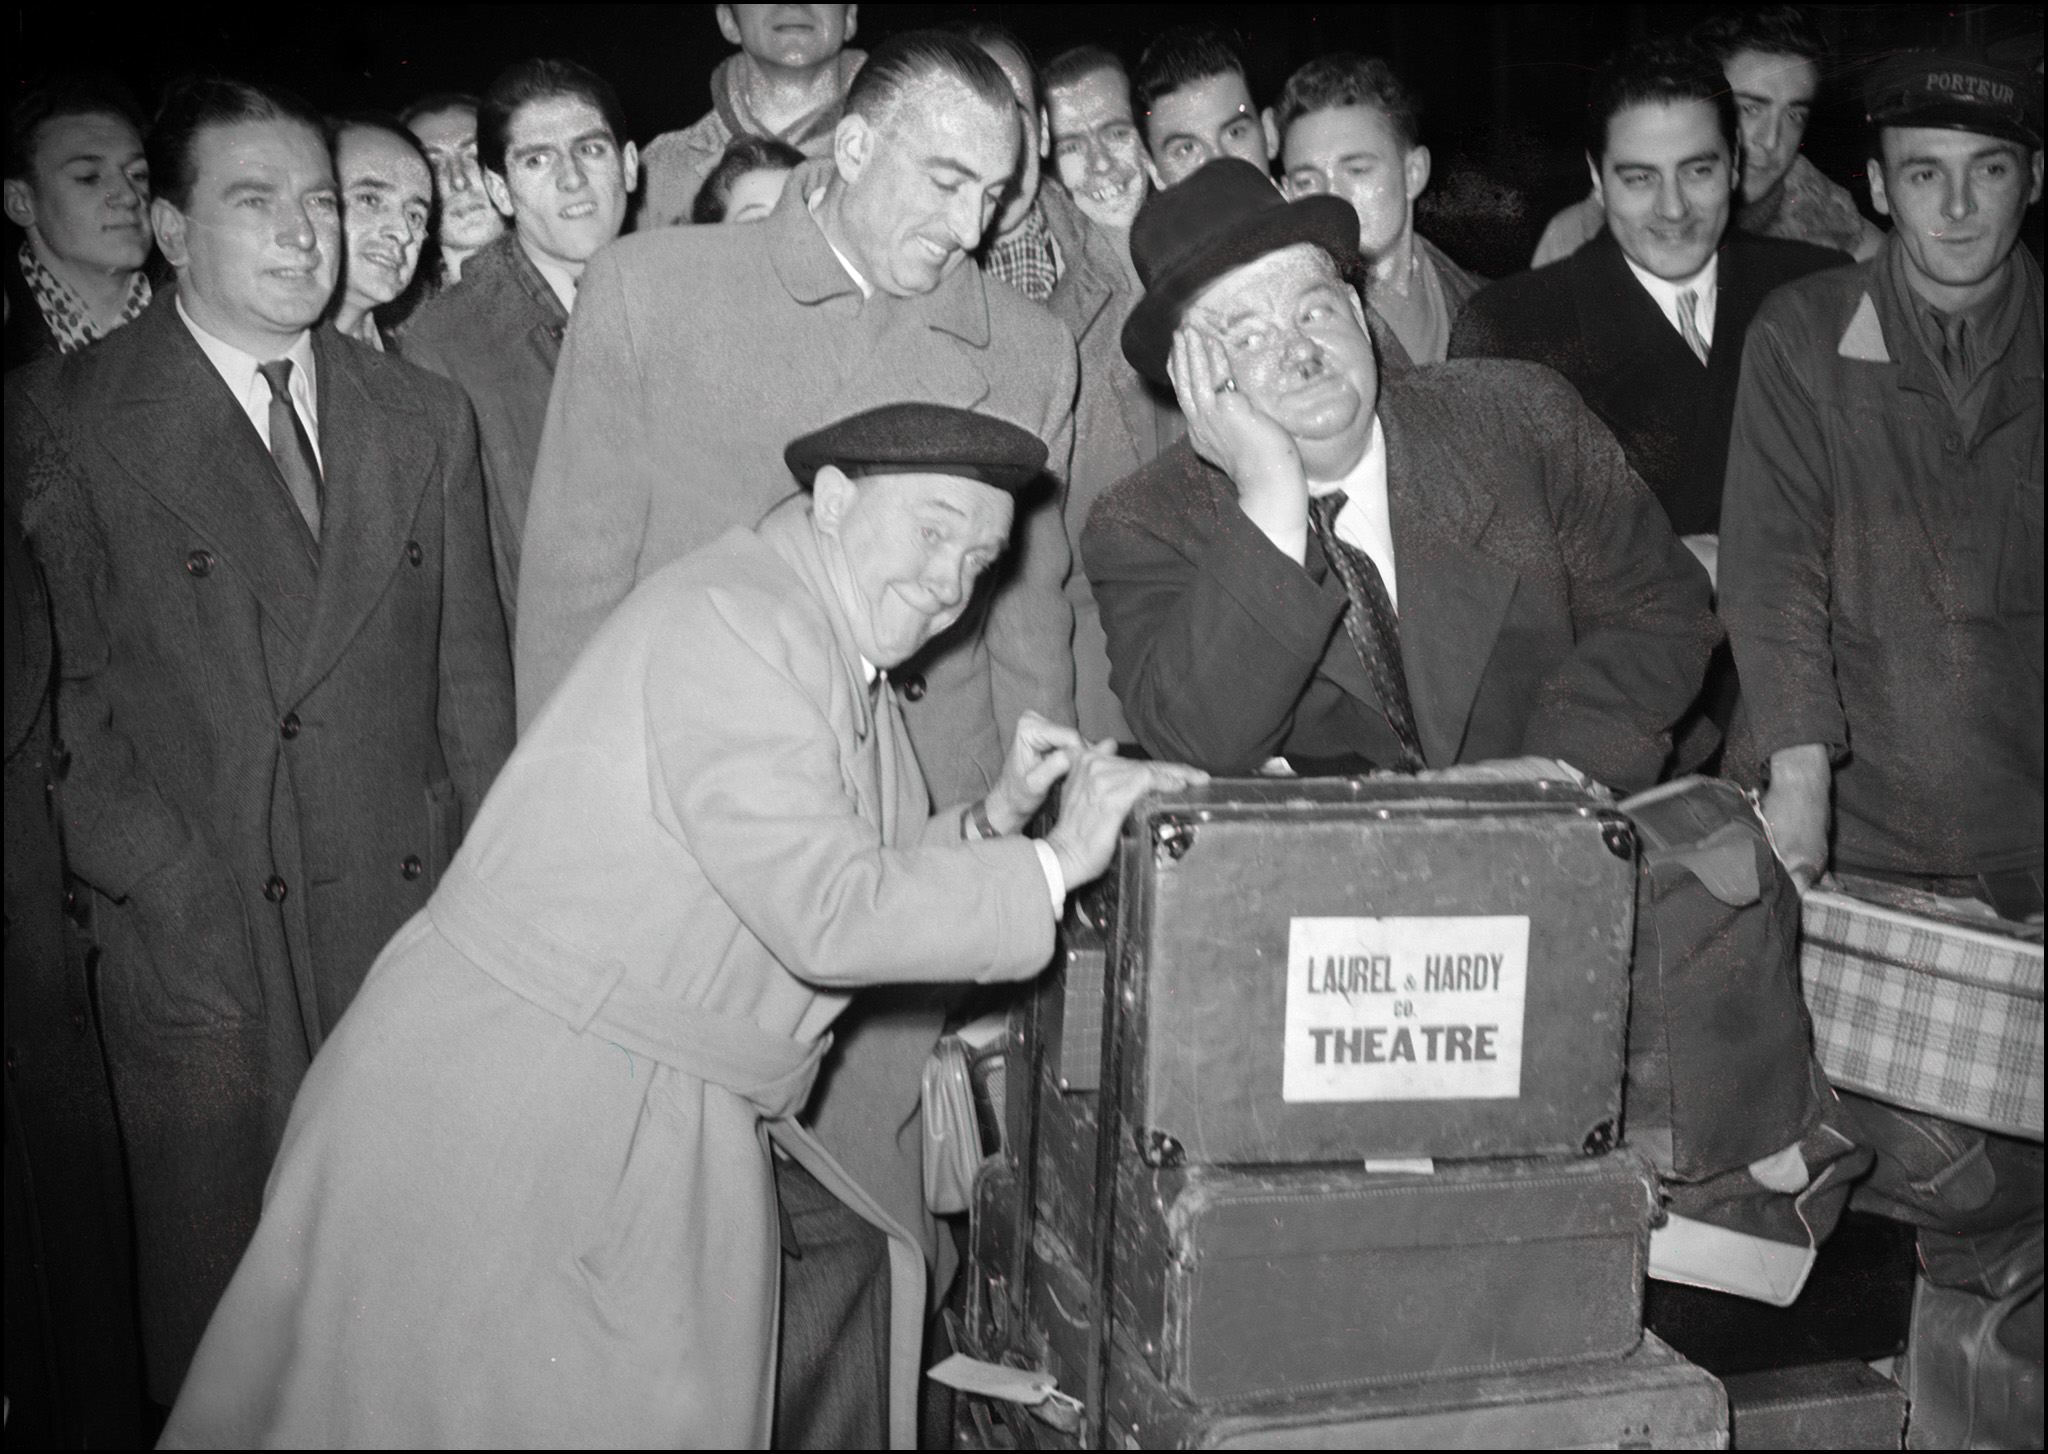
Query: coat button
x=274 y=889
x=413 y=552
x=412 y=868
x=289 y=727
x=1953 y=443
x=199 y=562
x=911 y=688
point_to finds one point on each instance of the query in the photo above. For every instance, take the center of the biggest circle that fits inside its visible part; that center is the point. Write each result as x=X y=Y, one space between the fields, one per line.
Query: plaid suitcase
x=1924 y=1013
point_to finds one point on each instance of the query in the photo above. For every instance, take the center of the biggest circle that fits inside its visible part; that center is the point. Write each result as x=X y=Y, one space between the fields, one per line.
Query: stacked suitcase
x=1311 y=1135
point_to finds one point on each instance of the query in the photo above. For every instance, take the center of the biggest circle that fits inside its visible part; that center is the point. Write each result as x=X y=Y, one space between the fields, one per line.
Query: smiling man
x=78 y=188
x=387 y=200
x=557 y=168
x=1195 y=102
x=286 y=686
x=697 y=353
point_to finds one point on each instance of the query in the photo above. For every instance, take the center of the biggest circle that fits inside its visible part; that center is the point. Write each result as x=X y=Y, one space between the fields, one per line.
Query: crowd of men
x=905 y=434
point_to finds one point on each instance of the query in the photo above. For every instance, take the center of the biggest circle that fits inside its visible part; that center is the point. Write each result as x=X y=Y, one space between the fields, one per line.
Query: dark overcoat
x=272 y=755
x=1588 y=318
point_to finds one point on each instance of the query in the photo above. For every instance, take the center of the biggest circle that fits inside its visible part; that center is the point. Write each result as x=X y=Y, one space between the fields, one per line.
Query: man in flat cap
x=1449 y=570
x=1881 y=577
x=525 y=1197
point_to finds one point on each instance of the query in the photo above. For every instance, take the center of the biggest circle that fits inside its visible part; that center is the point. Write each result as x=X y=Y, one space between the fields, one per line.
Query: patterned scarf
x=70 y=323
x=1025 y=259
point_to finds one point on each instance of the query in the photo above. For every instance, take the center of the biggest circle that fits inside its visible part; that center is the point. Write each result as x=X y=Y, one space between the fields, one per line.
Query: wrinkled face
x=1203 y=120
x=259 y=245
x=387 y=195
x=1667 y=183
x=1024 y=186
x=566 y=178
x=468 y=220
x=790 y=37
x=1095 y=147
x=1956 y=200
x=1295 y=339
x=905 y=551
x=753 y=195
x=1352 y=152
x=87 y=193
x=1774 y=97
x=923 y=186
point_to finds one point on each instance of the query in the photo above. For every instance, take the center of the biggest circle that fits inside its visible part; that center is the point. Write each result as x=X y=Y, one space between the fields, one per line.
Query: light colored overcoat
x=525 y=1198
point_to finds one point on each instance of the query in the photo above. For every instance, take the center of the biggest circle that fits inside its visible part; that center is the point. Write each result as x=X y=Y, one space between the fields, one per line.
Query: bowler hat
x=1226 y=215
x=924 y=439
x=1955 y=90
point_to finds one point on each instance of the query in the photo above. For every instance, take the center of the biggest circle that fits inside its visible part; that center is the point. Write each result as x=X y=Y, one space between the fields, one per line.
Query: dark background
x=1502 y=85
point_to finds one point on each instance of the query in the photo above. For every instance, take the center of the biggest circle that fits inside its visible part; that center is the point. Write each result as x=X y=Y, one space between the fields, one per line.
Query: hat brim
x=1961 y=116
x=1323 y=221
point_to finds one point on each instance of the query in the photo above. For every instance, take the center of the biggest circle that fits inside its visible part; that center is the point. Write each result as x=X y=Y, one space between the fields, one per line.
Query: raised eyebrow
x=250 y=186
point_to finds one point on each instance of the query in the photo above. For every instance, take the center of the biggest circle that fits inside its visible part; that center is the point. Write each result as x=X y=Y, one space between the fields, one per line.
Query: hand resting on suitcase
x=1099 y=793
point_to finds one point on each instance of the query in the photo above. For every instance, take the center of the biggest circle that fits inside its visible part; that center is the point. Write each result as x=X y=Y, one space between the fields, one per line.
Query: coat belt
x=770 y=1072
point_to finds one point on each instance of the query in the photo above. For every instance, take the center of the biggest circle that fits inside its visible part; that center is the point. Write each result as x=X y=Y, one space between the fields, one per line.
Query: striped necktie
x=1689 y=323
x=1370 y=622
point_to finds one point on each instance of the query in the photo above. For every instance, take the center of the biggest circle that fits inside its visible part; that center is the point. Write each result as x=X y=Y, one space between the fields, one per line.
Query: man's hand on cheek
x=1235 y=435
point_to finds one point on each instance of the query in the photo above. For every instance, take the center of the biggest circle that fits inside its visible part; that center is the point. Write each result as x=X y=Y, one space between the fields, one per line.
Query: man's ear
x=1874 y=169
x=729 y=25
x=168 y=223
x=853 y=144
x=2035 y=195
x=1593 y=170
x=1044 y=134
x=852 y=21
x=21 y=203
x=500 y=192
x=629 y=159
x=832 y=497
x=1272 y=128
x=1415 y=171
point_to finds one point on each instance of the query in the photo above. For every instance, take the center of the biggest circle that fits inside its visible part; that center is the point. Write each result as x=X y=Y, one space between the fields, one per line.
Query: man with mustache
x=465 y=221
x=285 y=682
x=788 y=83
x=387 y=198
x=78 y=188
x=1647 y=320
x=697 y=352
x=557 y=167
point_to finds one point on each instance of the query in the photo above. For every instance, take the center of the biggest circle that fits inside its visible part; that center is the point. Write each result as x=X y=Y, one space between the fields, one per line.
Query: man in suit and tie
x=285 y=684
x=696 y=353
x=1647 y=319
x=1449 y=571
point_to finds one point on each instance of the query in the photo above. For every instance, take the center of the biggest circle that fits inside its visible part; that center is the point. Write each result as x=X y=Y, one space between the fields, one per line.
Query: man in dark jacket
x=499 y=331
x=1647 y=319
x=285 y=682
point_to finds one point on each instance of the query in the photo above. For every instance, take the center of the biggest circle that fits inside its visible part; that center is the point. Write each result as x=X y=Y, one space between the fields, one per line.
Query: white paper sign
x=1405 y=1008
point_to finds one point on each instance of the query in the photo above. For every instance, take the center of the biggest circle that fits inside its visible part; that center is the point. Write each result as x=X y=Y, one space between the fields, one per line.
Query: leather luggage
x=1651 y=1399
x=1289 y=953
x=1841 y=1405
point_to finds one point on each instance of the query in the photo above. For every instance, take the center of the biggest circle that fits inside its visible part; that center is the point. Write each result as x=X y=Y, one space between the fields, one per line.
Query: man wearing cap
x=1448 y=570
x=525 y=1196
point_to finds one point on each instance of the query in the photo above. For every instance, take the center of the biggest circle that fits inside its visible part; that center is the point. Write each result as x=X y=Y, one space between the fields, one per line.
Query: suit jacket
x=1545 y=605
x=272 y=757
x=1121 y=421
x=497 y=333
x=1588 y=318
x=491 y=1226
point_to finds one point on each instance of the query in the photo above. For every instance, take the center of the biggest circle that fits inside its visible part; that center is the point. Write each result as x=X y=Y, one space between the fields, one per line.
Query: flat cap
x=926 y=439
x=1955 y=90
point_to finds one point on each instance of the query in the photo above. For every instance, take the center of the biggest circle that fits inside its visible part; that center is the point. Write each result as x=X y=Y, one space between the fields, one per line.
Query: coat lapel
x=180 y=433
x=1454 y=597
x=1622 y=324
x=377 y=457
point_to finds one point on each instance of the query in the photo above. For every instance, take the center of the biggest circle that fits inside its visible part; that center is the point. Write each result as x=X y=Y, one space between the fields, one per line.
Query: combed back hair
x=1349 y=79
x=85 y=93
x=1659 y=72
x=1180 y=56
x=745 y=154
x=435 y=102
x=1781 y=30
x=539 y=80
x=194 y=103
x=913 y=56
x=1071 y=67
x=988 y=34
x=382 y=121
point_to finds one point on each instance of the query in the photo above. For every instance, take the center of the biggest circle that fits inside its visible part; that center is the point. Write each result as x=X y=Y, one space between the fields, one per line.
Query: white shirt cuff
x=1055 y=881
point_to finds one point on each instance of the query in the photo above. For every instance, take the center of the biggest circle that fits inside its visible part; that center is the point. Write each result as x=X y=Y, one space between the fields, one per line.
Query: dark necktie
x=1954 y=361
x=1370 y=623
x=289 y=445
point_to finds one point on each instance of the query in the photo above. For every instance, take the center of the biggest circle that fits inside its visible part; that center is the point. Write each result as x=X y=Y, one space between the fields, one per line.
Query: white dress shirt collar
x=1366 y=520
x=1664 y=292
x=559 y=278
x=238 y=371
